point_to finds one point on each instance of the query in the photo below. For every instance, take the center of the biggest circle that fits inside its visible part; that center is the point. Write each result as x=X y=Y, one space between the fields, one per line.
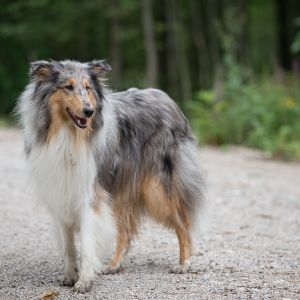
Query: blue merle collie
x=101 y=160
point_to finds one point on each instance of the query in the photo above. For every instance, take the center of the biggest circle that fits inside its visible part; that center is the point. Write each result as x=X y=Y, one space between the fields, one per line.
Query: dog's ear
x=98 y=68
x=41 y=70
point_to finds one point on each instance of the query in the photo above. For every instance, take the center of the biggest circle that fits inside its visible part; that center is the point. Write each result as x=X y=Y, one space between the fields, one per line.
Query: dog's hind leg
x=183 y=231
x=127 y=226
x=122 y=247
x=168 y=211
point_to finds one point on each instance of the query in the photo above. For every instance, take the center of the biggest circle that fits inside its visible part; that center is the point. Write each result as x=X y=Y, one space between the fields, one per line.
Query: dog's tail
x=193 y=185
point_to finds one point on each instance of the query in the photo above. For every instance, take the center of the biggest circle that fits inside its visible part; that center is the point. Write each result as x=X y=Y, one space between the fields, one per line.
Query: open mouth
x=80 y=122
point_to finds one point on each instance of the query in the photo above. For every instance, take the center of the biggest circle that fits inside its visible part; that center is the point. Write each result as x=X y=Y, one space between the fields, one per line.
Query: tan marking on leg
x=122 y=247
x=185 y=243
x=127 y=212
x=185 y=247
x=158 y=205
x=172 y=212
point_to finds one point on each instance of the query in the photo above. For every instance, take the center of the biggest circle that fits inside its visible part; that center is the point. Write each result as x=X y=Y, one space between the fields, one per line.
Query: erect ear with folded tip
x=41 y=70
x=99 y=67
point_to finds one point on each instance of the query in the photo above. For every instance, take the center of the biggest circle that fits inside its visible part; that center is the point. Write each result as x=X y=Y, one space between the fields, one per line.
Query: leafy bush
x=260 y=113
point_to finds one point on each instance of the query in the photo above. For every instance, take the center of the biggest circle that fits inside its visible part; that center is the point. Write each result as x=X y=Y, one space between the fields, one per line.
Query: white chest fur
x=63 y=175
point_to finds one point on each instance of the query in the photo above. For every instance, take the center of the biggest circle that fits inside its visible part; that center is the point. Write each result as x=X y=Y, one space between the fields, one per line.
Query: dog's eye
x=88 y=88
x=69 y=87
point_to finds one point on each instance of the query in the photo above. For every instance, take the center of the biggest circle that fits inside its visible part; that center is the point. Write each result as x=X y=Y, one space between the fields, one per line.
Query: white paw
x=69 y=280
x=181 y=269
x=198 y=252
x=82 y=286
x=110 y=270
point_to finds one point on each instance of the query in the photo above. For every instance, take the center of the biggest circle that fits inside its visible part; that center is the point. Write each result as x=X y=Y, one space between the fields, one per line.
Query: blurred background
x=233 y=66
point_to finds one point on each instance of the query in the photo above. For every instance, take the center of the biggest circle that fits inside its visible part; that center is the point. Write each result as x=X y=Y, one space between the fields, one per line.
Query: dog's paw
x=181 y=269
x=110 y=270
x=198 y=252
x=82 y=286
x=69 y=280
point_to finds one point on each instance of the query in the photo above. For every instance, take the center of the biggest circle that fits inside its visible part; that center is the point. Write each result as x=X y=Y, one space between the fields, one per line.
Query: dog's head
x=74 y=90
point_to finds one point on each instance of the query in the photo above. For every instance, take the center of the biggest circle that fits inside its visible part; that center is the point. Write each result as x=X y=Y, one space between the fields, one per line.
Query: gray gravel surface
x=250 y=248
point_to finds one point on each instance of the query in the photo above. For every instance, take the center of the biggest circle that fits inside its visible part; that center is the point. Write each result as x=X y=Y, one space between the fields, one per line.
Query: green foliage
x=207 y=43
x=258 y=112
x=261 y=113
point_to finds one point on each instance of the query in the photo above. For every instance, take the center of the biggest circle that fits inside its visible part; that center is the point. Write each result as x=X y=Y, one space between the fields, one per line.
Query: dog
x=101 y=160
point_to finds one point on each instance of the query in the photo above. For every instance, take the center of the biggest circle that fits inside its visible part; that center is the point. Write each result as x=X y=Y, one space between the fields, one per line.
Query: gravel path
x=251 y=248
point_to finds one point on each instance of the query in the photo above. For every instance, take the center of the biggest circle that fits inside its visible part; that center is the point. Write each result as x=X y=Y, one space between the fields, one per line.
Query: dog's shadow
x=164 y=266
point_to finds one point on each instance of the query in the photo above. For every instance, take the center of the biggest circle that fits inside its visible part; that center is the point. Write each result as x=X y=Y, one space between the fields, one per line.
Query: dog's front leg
x=88 y=258
x=69 y=255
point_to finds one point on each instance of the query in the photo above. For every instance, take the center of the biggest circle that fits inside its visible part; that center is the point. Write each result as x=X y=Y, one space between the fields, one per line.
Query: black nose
x=88 y=112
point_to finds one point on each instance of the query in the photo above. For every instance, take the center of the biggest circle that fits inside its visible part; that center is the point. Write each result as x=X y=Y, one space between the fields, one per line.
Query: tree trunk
x=200 y=44
x=283 y=38
x=243 y=52
x=177 y=66
x=171 y=46
x=150 y=46
x=114 y=43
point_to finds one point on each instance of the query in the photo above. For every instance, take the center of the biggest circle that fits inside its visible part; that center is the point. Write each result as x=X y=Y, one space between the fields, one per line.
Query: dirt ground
x=250 y=248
